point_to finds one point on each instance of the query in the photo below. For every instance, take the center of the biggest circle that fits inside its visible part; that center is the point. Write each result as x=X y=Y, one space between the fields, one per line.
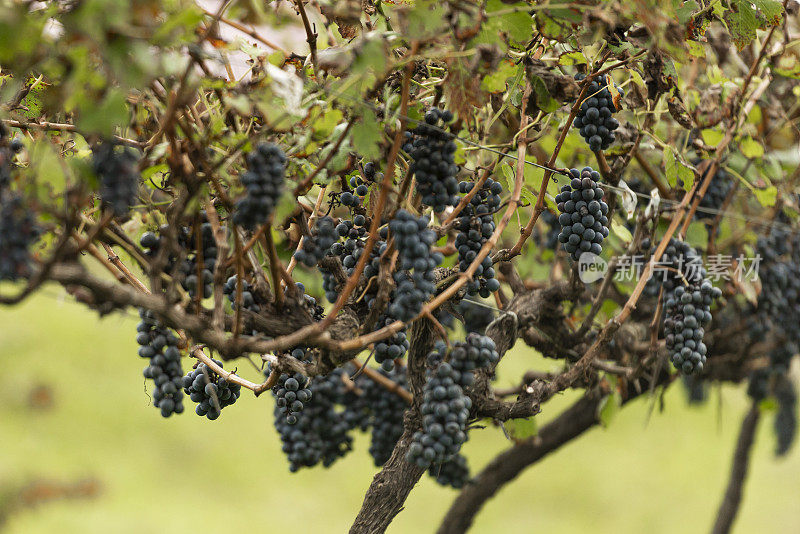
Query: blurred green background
x=74 y=406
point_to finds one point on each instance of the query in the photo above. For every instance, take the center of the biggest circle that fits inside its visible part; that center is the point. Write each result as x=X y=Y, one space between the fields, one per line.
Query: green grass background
x=187 y=474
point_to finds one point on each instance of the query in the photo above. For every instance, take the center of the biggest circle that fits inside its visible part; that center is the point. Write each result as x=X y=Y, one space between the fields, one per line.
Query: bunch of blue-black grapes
x=476 y=315
x=445 y=407
x=7 y=151
x=594 y=120
x=432 y=152
x=584 y=214
x=415 y=277
x=18 y=231
x=718 y=190
x=264 y=183
x=688 y=297
x=320 y=431
x=475 y=225
x=291 y=391
x=360 y=186
x=386 y=411
x=772 y=381
x=160 y=346
x=199 y=278
x=317 y=245
x=454 y=472
x=210 y=391
x=119 y=176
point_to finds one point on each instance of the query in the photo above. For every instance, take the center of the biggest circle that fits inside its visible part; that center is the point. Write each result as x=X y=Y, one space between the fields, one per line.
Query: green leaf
x=670 y=167
x=746 y=16
x=685 y=176
x=572 y=58
x=751 y=148
x=766 y=197
x=544 y=101
x=496 y=81
x=366 y=135
x=621 y=231
x=608 y=408
x=424 y=19
x=711 y=137
x=102 y=118
x=685 y=11
x=324 y=125
x=520 y=429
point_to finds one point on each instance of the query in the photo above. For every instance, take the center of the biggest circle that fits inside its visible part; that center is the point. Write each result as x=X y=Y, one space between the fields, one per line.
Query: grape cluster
x=317 y=245
x=413 y=241
x=320 y=431
x=18 y=231
x=453 y=472
x=360 y=186
x=785 y=423
x=291 y=393
x=160 y=346
x=476 y=317
x=7 y=151
x=549 y=239
x=718 y=189
x=432 y=151
x=445 y=410
x=387 y=411
x=210 y=391
x=392 y=347
x=476 y=352
x=264 y=182
x=688 y=296
x=779 y=271
x=119 y=176
x=475 y=225
x=192 y=281
x=584 y=214
x=594 y=120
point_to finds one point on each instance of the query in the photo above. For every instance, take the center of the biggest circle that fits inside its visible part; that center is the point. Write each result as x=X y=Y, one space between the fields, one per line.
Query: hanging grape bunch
x=160 y=346
x=413 y=241
x=718 y=189
x=594 y=120
x=584 y=214
x=119 y=176
x=194 y=276
x=18 y=231
x=475 y=226
x=688 y=296
x=263 y=182
x=291 y=392
x=432 y=151
x=210 y=391
x=7 y=151
x=317 y=245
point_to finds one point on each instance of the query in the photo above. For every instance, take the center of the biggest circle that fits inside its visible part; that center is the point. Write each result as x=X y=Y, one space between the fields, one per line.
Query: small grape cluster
x=119 y=176
x=584 y=214
x=192 y=281
x=210 y=391
x=320 y=431
x=688 y=296
x=291 y=393
x=264 y=182
x=7 y=151
x=453 y=472
x=392 y=347
x=475 y=226
x=360 y=186
x=594 y=120
x=387 y=411
x=773 y=380
x=718 y=189
x=413 y=241
x=160 y=346
x=248 y=294
x=18 y=231
x=317 y=245
x=548 y=239
x=475 y=352
x=433 y=153
x=445 y=410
